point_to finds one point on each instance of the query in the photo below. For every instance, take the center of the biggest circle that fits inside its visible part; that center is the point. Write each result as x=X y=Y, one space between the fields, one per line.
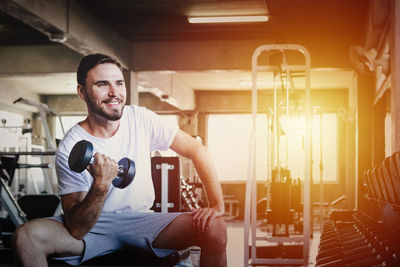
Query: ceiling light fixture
x=228 y=19
x=58 y=37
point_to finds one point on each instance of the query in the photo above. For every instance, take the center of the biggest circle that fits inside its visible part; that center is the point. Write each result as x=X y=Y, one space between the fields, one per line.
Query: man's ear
x=81 y=92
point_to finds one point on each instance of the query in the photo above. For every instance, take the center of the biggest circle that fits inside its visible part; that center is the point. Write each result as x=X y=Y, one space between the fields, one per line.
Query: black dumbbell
x=82 y=155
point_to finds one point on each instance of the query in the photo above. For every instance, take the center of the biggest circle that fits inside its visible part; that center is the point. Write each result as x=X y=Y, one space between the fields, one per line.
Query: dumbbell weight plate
x=127 y=173
x=80 y=156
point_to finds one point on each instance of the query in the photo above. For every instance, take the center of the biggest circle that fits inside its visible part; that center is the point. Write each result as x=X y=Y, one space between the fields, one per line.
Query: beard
x=113 y=115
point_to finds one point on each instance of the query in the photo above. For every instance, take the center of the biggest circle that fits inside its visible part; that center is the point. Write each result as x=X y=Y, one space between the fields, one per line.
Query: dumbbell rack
x=189 y=195
x=370 y=236
x=357 y=242
x=250 y=249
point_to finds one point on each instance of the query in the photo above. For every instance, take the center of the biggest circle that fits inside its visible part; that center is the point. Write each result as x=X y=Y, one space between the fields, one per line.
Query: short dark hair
x=89 y=62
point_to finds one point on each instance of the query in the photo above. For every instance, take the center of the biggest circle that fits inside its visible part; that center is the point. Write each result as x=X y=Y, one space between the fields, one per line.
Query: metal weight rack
x=250 y=232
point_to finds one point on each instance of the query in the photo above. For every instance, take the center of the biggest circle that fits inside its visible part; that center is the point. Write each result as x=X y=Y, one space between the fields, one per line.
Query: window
x=228 y=143
x=328 y=131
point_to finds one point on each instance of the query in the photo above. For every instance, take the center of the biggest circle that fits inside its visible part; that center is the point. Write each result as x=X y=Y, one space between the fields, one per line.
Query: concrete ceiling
x=158 y=20
x=331 y=25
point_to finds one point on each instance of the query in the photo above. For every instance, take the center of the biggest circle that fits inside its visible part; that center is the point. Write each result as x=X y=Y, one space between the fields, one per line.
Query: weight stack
x=280 y=200
x=174 y=183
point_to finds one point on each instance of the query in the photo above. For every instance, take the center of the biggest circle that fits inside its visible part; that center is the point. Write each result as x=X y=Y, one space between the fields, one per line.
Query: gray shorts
x=116 y=231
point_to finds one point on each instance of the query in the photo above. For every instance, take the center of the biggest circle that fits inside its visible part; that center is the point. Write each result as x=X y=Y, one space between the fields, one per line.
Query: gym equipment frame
x=251 y=183
x=17 y=216
x=167 y=184
x=44 y=110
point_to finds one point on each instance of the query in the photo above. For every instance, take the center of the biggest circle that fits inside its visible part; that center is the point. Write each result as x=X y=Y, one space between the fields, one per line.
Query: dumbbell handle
x=120 y=167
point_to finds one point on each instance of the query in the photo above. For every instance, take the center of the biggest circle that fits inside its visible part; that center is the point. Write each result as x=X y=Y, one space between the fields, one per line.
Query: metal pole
x=307 y=169
x=287 y=108
x=17 y=216
x=251 y=169
x=275 y=133
x=321 y=173
x=164 y=187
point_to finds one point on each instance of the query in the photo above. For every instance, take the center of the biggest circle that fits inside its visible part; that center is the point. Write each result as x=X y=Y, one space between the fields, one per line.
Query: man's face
x=105 y=92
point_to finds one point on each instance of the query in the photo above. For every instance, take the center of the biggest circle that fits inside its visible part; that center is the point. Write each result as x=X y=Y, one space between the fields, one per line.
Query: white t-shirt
x=140 y=132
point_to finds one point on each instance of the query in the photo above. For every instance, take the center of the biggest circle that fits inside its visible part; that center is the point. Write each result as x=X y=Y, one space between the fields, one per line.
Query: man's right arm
x=82 y=209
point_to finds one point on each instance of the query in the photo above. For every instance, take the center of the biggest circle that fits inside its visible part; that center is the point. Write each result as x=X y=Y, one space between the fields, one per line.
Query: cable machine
x=250 y=232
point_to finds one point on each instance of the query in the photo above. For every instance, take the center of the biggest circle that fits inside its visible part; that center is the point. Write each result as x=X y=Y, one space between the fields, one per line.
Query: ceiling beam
x=168 y=89
x=37 y=60
x=229 y=55
x=84 y=33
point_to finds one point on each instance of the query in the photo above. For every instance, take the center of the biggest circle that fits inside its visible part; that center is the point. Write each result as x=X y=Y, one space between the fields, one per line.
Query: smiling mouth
x=114 y=101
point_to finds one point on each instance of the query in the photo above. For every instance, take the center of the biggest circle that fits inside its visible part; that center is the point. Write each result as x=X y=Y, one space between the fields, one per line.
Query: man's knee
x=20 y=236
x=32 y=233
x=216 y=234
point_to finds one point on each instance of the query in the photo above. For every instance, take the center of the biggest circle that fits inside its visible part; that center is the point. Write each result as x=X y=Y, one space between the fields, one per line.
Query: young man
x=99 y=218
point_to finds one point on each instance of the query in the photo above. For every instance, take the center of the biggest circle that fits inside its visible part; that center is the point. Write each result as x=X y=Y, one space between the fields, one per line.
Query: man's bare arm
x=187 y=146
x=82 y=209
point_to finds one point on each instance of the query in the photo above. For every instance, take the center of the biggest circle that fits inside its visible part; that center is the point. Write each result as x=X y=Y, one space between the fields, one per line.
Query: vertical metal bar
x=49 y=139
x=269 y=167
x=10 y=204
x=164 y=187
x=307 y=167
x=275 y=133
x=353 y=96
x=321 y=175
x=287 y=117
x=254 y=109
x=395 y=73
x=61 y=124
x=248 y=202
x=251 y=164
x=47 y=182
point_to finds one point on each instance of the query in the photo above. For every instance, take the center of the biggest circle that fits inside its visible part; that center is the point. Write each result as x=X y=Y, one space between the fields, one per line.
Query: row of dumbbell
x=384 y=239
x=361 y=243
x=366 y=241
x=344 y=246
x=383 y=181
x=188 y=195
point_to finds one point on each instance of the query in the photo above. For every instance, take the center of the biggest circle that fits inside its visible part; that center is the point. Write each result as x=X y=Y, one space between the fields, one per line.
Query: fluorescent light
x=228 y=19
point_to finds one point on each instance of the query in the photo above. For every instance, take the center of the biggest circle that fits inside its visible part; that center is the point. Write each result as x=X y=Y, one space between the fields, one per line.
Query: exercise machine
x=26 y=207
x=251 y=252
x=44 y=110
